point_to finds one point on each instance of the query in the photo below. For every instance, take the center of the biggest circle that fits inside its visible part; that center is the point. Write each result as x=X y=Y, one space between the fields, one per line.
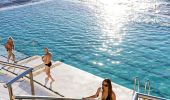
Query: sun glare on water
x=113 y=17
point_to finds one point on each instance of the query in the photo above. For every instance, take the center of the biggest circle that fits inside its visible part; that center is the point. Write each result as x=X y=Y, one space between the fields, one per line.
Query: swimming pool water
x=114 y=39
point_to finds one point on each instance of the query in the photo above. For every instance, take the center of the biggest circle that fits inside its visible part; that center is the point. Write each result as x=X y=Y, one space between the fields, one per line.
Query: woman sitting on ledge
x=104 y=93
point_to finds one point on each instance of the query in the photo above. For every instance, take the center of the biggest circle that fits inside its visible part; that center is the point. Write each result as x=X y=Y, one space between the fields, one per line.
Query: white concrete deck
x=19 y=87
x=70 y=81
x=75 y=83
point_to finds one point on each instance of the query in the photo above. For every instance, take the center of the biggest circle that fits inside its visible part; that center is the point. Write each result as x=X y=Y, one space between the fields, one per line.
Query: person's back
x=11 y=43
x=9 y=47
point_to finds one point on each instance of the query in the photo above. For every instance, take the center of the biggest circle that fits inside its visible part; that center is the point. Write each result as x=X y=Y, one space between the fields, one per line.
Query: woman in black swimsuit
x=105 y=92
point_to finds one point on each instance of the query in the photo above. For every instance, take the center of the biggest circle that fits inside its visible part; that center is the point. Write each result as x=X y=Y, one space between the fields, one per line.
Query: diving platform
x=70 y=82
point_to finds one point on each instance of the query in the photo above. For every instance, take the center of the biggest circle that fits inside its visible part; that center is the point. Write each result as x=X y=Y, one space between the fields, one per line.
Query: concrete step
x=34 y=62
x=21 y=62
x=70 y=81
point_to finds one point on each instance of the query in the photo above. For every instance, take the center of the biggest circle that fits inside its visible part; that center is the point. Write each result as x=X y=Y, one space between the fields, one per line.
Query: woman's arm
x=113 y=96
x=95 y=95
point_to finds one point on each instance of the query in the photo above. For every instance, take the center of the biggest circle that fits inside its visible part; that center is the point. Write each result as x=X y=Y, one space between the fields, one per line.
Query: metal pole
x=147 y=84
x=134 y=86
x=135 y=96
x=145 y=87
x=32 y=83
x=148 y=87
x=10 y=92
x=136 y=82
x=138 y=85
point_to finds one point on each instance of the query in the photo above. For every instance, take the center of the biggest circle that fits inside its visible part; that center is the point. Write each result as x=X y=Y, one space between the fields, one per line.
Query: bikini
x=49 y=64
x=100 y=95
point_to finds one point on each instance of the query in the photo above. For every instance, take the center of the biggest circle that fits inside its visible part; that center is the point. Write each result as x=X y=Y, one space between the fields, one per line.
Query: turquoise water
x=117 y=39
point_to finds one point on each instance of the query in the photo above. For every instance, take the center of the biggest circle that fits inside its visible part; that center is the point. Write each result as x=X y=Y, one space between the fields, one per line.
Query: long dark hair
x=109 y=97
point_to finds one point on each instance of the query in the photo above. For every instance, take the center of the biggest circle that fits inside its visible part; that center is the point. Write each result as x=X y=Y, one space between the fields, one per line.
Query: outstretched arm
x=95 y=95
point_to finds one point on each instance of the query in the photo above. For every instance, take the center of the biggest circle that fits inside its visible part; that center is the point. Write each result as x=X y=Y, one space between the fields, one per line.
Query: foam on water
x=23 y=5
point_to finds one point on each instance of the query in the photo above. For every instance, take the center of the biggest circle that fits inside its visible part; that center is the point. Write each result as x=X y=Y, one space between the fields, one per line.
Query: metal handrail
x=147 y=83
x=28 y=70
x=18 y=77
x=22 y=97
x=13 y=65
x=148 y=97
x=9 y=84
x=35 y=82
x=136 y=81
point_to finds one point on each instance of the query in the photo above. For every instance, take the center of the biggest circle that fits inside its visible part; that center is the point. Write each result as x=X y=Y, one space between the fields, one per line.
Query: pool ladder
x=147 y=83
x=137 y=84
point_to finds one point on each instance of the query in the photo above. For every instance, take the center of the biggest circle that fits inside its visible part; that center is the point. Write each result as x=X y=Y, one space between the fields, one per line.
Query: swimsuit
x=49 y=64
